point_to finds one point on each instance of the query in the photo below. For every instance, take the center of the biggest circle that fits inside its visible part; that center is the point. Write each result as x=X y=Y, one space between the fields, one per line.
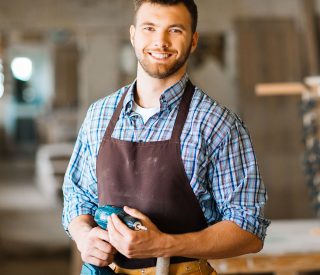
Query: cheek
x=143 y=40
x=138 y=42
x=182 y=46
x=180 y=43
x=137 y=46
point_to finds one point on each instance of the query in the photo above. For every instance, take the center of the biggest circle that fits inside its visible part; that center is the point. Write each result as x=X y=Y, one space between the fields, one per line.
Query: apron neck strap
x=180 y=120
x=182 y=112
x=115 y=117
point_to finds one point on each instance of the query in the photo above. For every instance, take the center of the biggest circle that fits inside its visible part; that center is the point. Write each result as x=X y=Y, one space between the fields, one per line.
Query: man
x=171 y=155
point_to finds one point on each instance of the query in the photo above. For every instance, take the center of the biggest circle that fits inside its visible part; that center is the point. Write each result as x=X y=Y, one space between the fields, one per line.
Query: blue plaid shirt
x=215 y=148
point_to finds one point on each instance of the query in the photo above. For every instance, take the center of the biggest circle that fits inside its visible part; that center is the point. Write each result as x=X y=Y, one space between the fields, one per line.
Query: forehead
x=163 y=14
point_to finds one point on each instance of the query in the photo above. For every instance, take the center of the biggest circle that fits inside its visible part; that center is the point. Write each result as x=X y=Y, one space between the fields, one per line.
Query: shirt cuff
x=256 y=225
x=68 y=216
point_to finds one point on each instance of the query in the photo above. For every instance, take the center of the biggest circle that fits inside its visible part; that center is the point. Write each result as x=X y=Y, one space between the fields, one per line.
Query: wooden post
x=311 y=47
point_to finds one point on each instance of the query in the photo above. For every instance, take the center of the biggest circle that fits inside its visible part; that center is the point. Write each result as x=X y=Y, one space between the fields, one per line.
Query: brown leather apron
x=150 y=177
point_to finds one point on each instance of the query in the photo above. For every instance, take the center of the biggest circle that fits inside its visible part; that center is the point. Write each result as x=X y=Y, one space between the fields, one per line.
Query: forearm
x=222 y=240
x=81 y=226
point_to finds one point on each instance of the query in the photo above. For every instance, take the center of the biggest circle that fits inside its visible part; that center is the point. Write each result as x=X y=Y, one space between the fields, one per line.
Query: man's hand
x=136 y=244
x=221 y=240
x=92 y=241
x=95 y=248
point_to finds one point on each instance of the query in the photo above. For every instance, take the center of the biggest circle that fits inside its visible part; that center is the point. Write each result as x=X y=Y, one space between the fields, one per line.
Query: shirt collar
x=168 y=99
x=171 y=96
x=129 y=99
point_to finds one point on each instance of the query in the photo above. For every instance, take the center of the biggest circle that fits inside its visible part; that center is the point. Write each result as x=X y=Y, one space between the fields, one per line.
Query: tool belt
x=200 y=267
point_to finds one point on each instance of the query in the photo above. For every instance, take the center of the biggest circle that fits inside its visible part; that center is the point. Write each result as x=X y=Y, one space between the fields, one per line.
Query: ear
x=194 y=43
x=132 y=32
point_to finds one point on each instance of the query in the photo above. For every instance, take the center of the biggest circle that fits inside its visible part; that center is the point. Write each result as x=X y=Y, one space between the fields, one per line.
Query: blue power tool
x=100 y=217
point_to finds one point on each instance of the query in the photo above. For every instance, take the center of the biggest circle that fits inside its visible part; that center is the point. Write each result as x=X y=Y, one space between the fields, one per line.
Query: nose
x=162 y=40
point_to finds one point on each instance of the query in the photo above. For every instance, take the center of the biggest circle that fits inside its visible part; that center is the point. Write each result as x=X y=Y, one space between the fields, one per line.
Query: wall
x=99 y=20
x=101 y=26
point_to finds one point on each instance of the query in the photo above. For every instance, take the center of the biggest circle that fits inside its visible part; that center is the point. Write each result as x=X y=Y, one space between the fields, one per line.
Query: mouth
x=159 y=55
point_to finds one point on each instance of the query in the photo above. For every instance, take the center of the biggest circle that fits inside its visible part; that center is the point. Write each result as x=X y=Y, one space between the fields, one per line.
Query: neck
x=149 y=89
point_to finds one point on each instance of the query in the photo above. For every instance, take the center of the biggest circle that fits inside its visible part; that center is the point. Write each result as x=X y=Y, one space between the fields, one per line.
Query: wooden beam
x=280 y=89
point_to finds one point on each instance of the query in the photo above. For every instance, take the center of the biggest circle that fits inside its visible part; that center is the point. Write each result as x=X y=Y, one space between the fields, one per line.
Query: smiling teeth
x=160 y=55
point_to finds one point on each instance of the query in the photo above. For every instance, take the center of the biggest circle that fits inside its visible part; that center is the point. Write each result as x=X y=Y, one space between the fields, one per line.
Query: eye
x=175 y=30
x=149 y=29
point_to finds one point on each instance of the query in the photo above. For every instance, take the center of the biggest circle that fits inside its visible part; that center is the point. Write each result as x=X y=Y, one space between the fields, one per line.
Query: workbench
x=291 y=246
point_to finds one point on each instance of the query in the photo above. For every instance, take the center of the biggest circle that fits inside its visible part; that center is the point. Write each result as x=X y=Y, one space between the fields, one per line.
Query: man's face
x=162 y=39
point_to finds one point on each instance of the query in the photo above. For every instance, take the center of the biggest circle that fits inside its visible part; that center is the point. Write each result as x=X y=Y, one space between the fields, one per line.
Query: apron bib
x=150 y=177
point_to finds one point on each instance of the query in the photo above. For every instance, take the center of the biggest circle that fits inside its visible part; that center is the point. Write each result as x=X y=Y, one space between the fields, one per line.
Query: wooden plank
x=278 y=89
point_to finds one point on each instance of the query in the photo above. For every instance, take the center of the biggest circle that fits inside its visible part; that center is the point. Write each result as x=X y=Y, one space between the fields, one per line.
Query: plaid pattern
x=215 y=148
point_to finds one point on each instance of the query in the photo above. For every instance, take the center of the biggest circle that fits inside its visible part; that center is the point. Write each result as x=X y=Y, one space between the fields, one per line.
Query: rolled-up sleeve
x=238 y=188
x=80 y=183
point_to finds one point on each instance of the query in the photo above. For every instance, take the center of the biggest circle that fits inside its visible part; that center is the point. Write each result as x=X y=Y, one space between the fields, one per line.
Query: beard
x=162 y=71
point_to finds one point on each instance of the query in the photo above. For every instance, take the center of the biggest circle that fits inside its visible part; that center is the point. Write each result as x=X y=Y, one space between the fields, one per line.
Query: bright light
x=22 y=68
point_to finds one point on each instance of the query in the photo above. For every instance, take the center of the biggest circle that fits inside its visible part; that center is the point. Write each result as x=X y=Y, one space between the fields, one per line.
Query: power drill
x=100 y=217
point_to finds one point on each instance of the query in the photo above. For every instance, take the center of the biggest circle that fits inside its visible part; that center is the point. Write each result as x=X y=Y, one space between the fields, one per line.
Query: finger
x=116 y=239
x=113 y=231
x=96 y=253
x=105 y=247
x=101 y=234
x=136 y=213
x=120 y=226
x=101 y=255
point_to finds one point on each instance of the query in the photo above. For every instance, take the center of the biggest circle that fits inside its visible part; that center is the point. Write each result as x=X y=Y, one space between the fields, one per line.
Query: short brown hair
x=189 y=4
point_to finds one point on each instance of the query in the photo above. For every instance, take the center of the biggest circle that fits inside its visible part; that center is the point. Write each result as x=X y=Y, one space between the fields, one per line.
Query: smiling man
x=170 y=155
x=161 y=45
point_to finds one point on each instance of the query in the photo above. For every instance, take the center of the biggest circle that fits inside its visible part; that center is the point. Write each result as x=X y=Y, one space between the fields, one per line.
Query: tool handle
x=163 y=265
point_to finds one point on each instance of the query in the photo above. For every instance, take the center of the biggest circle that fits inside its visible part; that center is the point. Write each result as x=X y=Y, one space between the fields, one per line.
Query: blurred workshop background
x=57 y=57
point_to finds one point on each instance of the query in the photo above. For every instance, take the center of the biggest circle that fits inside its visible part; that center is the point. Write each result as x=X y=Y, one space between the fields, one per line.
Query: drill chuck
x=132 y=222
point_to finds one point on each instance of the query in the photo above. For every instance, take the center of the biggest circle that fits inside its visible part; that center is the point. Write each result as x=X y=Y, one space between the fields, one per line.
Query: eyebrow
x=147 y=24
x=178 y=26
x=171 y=26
